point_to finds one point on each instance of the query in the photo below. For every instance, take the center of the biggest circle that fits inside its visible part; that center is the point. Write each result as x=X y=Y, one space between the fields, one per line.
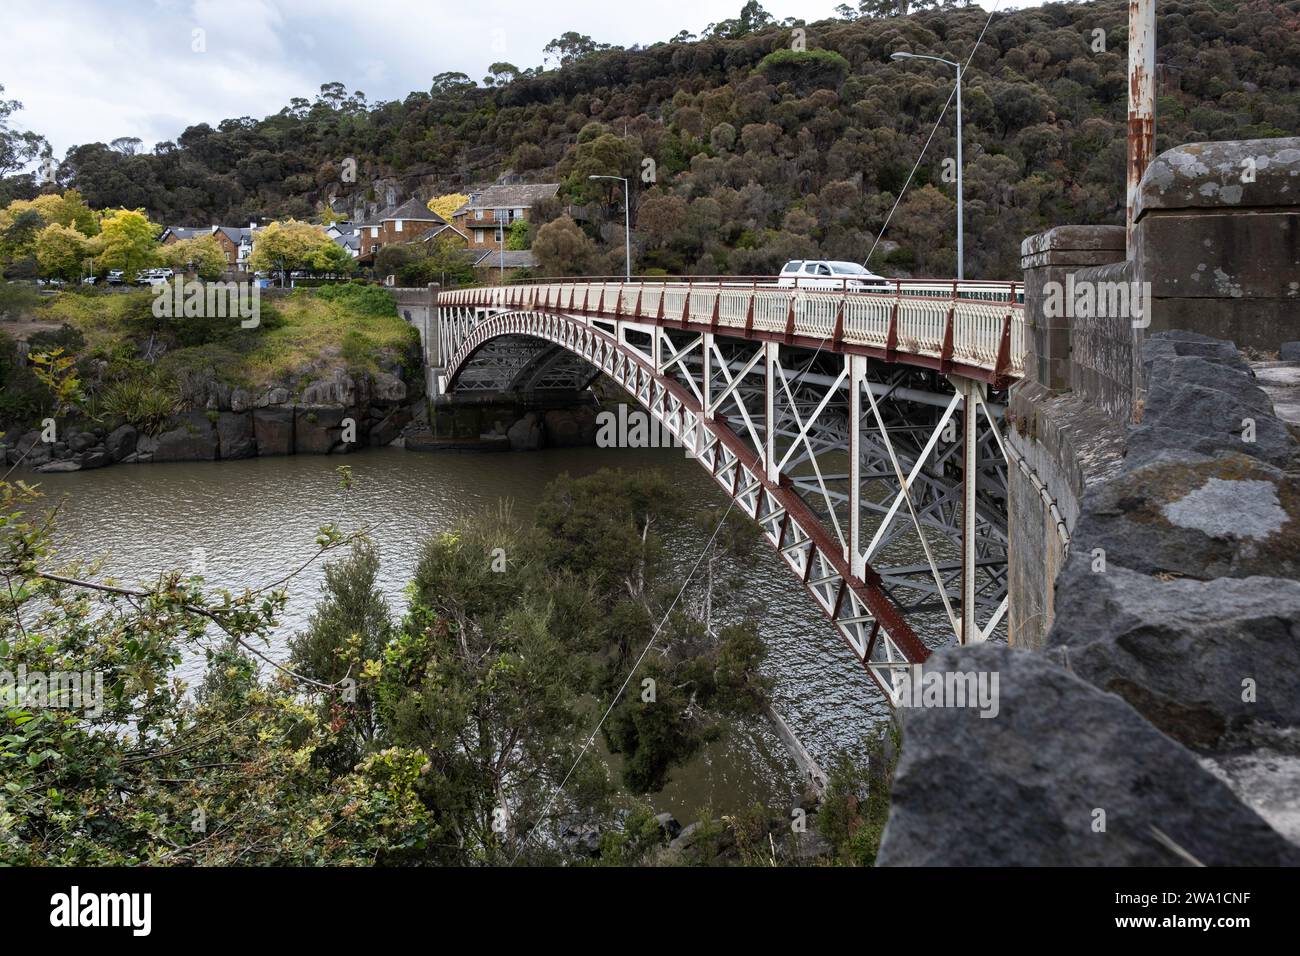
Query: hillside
x=761 y=153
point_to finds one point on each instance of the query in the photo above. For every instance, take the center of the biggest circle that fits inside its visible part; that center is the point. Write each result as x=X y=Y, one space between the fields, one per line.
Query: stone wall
x=1161 y=723
x=419 y=307
x=1217 y=235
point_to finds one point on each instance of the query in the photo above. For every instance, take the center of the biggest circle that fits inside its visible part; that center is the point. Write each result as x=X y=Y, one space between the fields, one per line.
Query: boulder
x=242 y=400
x=1202 y=397
x=526 y=434
x=337 y=388
x=1181 y=652
x=571 y=427
x=96 y=457
x=1195 y=517
x=386 y=430
x=318 y=429
x=273 y=430
x=80 y=441
x=387 y=388
x=273 y=396
x=121 y=441
x=1289 y=352
x=67 y=464
x=668 y=826
x=1064 y=774
x=194 y=440
x=235 y=435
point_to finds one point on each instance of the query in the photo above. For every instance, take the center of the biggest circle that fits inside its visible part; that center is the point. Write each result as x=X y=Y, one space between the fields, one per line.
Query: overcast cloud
x=93 y=70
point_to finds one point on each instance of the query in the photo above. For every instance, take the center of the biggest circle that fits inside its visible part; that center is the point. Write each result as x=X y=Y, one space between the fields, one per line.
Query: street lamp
x=627 y=223
x=960 y=237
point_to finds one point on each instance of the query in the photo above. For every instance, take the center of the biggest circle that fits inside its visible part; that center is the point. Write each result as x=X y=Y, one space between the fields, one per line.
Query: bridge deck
x=974 y=327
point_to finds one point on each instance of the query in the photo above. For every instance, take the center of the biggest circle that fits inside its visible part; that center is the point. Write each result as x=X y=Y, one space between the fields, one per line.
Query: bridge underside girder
x=882 y=486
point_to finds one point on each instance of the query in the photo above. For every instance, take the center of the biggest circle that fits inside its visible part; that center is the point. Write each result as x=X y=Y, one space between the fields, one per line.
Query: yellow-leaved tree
x=446 y=205
x=127 y=241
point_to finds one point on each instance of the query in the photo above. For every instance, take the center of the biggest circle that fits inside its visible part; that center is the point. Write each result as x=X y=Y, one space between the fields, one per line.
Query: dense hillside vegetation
x=761 y=151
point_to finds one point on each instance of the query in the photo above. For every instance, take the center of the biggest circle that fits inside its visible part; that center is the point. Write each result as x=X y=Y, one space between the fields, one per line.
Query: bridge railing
x=977 y=324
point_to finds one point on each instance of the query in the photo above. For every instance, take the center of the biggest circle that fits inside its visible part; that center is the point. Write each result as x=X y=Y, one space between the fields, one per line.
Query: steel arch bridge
x=859 y=429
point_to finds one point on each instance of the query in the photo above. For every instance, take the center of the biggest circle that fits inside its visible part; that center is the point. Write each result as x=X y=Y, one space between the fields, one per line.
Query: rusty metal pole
x=1141 y=100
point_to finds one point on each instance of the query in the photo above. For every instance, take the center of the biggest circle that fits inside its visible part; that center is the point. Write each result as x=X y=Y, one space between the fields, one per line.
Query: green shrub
x=146 y=400
x=366 y=299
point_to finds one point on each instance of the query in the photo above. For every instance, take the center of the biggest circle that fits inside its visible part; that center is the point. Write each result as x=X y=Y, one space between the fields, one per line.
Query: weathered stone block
x=1023 y=788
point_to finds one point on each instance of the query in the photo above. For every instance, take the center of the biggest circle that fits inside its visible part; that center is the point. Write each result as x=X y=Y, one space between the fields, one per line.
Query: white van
x=829 y=274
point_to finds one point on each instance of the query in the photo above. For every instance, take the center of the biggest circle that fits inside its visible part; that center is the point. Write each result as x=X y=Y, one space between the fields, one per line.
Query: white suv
x=829 y=274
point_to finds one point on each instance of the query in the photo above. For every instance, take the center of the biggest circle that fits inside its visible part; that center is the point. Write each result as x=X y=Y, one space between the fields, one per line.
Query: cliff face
x=1161 y=723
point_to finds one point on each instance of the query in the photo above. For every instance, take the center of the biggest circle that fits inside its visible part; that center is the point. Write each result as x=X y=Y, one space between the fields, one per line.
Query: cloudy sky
x=92 y=70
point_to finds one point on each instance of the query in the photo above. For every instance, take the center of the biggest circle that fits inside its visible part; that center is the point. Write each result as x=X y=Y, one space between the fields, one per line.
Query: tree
x=563 y=249
x=62 y=252
x=501 y=73
x=447 y=204
x=288 y=246
x=332 y=259
x=126 y=145
x=519 y=236
x=451 y=82
x=571 y=46
x=202 y=255
x=128 y=241
x=17 y=148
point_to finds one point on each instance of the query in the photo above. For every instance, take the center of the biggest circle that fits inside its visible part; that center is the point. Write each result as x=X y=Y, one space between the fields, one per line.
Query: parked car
x=829 y=274
x=115 y=277
x=153 y=277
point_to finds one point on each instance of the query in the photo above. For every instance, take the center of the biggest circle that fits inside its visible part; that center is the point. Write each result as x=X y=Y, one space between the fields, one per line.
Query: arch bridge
x=858 y=427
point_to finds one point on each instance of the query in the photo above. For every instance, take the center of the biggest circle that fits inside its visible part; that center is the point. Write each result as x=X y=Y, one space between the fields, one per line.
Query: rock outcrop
x=1168 y=695
x=1064 y=774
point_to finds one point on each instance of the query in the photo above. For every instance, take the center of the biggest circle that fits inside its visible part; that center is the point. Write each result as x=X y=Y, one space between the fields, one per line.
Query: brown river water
x=253 y=521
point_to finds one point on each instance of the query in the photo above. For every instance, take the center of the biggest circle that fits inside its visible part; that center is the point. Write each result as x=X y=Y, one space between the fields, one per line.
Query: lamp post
x=627 y=223
x=961 y=270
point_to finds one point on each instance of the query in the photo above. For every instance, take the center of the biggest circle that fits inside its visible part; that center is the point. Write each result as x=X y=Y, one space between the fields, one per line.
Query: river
x=250 y=522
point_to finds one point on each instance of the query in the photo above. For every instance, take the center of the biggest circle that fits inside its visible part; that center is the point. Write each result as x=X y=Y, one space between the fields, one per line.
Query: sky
x=93 y=70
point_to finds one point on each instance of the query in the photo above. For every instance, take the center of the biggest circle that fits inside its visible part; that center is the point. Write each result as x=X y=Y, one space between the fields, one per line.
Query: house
x=408 y=222
x=235 y=241
x=495 y=207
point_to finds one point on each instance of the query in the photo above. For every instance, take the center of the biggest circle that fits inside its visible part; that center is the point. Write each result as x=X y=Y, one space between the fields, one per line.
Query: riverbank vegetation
x=132 y=362
x=458 y=731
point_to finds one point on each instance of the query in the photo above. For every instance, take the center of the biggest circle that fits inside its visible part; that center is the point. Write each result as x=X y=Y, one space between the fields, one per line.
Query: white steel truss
x=852 y=467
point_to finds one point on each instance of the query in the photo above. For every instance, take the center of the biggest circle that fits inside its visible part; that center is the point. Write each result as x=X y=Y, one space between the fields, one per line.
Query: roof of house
x=186 y=232
x=502 y=197
x=348 y=240
x=511 y=258
x=236 y=234
x=413 y=209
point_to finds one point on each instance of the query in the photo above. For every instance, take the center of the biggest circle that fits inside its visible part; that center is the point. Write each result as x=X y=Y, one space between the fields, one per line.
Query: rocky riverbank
x=335 y=414
x=1161 y=724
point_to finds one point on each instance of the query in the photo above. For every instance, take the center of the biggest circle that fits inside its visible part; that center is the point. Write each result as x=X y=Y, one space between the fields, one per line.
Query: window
x=478 y=235
x=374 y=232
x=823 y=269
x=793 y=266
x=397 y=225
x=519 y=213
x=478 y=213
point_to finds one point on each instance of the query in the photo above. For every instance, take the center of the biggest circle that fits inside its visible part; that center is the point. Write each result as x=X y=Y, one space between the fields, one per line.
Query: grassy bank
x=140 y=368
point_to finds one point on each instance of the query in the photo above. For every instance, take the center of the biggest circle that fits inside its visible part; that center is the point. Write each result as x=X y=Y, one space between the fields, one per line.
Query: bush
x=366 y=299
x=146 y=400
